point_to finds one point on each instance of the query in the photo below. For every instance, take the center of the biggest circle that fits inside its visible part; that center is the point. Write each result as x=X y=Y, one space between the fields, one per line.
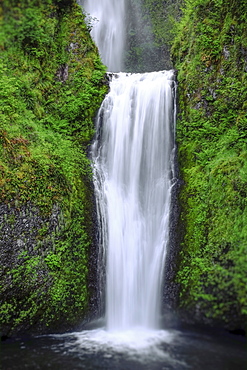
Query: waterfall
x=132 y=158
x=133 y=169
x=108 y=32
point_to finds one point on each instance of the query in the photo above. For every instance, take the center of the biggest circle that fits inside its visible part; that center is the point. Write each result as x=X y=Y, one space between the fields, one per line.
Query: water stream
x=132 y=158
x=133 y=171
x=107 y=18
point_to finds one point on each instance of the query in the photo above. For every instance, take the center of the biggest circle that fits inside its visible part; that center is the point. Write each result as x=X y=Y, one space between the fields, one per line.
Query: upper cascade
x=108 y=32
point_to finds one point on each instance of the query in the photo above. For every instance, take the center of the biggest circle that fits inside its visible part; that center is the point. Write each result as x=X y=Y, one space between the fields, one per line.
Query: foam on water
x=138 y=344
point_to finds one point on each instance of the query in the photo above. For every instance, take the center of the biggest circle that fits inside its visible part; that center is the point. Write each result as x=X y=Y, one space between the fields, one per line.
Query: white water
x=132 y=160
x=108 y=32
x=139 y=349
x=133 y=168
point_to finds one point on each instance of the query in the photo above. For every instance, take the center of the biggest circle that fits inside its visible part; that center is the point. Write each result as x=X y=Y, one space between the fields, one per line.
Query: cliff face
x=210 y=53
x=51 y=84
x=149 y=27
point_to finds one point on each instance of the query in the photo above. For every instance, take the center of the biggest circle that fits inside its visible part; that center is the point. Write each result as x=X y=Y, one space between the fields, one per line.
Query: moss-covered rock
x=51 y=84
x=210 y=53
x=150 y=25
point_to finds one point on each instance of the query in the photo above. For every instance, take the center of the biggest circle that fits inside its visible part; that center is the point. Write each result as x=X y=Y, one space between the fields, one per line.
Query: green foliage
x=164 y=15
x=150 y=33
x=51 y=85
x=209 y=52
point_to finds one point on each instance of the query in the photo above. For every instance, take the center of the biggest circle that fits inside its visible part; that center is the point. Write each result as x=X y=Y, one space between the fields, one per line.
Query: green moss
x=51 y=85
x=210 y=53
x=150 y=31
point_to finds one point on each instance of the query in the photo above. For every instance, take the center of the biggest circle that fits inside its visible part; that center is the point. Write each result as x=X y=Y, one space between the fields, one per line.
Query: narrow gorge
x=123 y=202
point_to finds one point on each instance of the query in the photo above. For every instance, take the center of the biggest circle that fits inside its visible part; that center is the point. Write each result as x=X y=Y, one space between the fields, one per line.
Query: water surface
x=135 y=349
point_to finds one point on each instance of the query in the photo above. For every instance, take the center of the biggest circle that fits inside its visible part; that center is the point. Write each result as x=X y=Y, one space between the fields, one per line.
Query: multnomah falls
x=105 y=227
x=133 y=162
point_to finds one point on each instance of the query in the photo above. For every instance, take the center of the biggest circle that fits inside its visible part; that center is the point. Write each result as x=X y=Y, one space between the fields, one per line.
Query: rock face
x=22 y=230
x=26 y=242
x=149 y=27
x=51 y=85
x=209 y=52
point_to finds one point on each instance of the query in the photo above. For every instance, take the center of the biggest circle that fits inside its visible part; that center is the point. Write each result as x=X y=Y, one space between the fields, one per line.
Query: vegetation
x=51 y=84
x=210 y=53
x=150 y=32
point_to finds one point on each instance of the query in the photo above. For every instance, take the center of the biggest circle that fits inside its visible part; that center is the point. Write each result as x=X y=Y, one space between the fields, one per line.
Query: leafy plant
x=209 y=52
x=51 y=85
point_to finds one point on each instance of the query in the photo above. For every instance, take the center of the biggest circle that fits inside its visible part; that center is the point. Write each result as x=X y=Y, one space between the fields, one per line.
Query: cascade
x=108 y=32
x=133 y=170
x=132 y=161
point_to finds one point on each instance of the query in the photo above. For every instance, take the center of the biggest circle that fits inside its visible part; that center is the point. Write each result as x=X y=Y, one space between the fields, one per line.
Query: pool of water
x=137 y=349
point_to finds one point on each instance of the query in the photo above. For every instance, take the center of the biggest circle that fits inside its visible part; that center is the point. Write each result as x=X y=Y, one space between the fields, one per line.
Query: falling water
x=132 y=159
x=133 y=172
x=108 y=19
